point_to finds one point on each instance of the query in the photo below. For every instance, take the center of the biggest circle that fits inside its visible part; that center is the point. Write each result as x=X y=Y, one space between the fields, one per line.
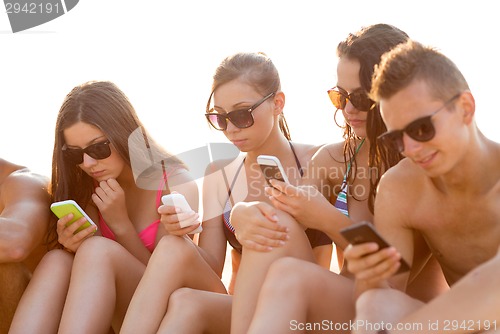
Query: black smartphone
x=365 y=232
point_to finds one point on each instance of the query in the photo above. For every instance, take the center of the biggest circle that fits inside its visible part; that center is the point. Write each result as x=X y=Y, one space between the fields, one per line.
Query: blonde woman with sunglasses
x=104 y=160
x=342 y=180
x=246 y=104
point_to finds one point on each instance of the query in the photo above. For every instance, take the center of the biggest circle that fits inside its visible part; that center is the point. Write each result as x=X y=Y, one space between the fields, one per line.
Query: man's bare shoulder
x=22 y=178
x=24 y=187
x=403 y=181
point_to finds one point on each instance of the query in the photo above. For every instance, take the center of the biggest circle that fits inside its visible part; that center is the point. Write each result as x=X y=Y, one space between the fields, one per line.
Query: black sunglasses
x=241 y=118
x=97 y=151
x=421 y=130
x=358 y=98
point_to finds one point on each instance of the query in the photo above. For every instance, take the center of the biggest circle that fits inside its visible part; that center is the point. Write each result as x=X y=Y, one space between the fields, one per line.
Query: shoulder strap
x=301 y=171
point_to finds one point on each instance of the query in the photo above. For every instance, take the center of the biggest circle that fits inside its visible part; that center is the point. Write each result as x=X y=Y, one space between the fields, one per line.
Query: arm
x=372 y=267
x=310 y=203
x=309 y=207
x=25 y=215
x=170 y=218
x=212 y=240
x=109 y=197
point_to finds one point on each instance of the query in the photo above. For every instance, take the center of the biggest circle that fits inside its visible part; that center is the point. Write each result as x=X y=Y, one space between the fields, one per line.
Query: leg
x=378 y=306
x=175 y=263
x=197 y=311
x=104 y=278
x=14 y=277
x=475 y=297
x=253 y=268
x=41 y=306
x=297 y=292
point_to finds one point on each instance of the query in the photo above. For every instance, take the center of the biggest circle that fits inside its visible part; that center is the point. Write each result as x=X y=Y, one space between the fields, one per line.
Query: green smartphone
x=63 y=208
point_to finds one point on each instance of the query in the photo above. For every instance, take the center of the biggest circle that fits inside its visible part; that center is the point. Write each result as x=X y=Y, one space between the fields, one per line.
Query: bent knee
x=175 y=248
x=286 y=274
x=56 y=258
x=99 y=247
x=184 y=302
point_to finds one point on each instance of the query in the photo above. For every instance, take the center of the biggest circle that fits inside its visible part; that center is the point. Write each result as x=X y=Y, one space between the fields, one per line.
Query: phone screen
x=365 y=232
x=271 y=172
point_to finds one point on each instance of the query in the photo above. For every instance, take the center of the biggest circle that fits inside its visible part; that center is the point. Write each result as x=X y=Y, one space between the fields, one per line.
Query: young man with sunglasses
x=24 y=216
x=446 y=191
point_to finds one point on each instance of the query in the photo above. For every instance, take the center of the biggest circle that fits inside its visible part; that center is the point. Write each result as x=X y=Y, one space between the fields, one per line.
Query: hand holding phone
x=64 y=208
x=179 y=201
x=271 y=168
x=365 y=232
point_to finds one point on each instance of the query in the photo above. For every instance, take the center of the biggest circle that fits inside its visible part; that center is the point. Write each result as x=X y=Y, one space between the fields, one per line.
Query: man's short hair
x=412 y=61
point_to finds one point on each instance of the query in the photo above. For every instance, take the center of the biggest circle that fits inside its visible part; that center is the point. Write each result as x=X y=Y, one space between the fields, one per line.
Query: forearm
x=330 y=221
x=129 y=239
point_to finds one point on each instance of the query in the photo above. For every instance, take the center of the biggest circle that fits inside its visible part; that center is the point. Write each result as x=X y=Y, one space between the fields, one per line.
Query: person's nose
x=231 y=127
x=350 y=108
x=410 y=145
x=88 y=161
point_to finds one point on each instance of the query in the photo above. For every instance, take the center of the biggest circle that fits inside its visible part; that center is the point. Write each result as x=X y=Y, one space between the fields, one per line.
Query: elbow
x=15 y=250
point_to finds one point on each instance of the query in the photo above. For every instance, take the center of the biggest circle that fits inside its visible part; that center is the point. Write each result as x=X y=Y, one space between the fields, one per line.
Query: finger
x=100 y=193
x=284 y=187
x=273 y=241
x=249 y=244
x=382 y=270
x=85 y=233
x=97 y=201
x=178 y=231
x=360 y=250
x=61 y=224
x=189 y=221
x=374 y=259
x=282 y=206
x=168 y=210
x=113 y=185
x=73 y=227
x=268 y=211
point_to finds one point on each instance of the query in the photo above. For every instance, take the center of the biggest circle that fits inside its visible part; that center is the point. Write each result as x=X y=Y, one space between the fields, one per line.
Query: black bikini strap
x=301 y=171
x=229 y=190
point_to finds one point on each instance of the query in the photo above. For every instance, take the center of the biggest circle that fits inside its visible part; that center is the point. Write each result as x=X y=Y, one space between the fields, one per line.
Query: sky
x=162 y=54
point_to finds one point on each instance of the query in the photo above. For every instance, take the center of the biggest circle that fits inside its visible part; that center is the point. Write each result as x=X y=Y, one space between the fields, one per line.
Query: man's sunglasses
x=97 y=151
x=359 y=99
x=421 y=130
x=241 y=118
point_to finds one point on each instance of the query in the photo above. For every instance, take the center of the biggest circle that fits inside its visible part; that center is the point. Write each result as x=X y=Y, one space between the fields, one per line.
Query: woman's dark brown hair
x=367 y=47
x=103 y=105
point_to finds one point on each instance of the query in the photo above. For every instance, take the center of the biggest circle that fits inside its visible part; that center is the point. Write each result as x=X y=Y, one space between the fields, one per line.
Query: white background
x=162 y=54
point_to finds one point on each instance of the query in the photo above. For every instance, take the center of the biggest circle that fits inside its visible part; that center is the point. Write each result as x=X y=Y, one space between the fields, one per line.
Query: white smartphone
x=178 y=200
x=63 y=208
x=271 y=168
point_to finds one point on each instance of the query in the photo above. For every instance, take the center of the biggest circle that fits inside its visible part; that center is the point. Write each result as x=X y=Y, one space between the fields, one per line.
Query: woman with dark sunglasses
x=105 y=161
x=247 y=104
x=345 y=175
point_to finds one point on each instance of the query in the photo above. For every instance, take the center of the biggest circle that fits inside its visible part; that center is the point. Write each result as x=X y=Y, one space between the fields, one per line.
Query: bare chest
x=462 y=233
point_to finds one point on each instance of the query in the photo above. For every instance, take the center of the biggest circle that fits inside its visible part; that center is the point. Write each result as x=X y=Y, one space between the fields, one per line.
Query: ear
x=468 y=104
x=279 y=102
